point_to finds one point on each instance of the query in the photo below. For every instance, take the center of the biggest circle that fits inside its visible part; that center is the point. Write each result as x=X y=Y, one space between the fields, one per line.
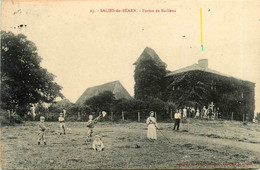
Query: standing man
x=177 y=118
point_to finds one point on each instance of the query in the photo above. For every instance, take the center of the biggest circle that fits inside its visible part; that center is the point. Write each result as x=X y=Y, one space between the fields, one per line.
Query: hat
x=61 y=113
x=42 y=117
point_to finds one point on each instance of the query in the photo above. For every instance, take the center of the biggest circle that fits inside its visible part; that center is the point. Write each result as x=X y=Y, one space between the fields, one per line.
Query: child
x=98 y=144
x=151 y=121
x=42 y=130
x=61 y=119
x=90 y=127
x=177 y=118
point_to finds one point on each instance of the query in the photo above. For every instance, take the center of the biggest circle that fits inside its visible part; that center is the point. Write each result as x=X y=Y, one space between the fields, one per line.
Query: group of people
x=186 y=112
x=205 y=112
x=151 y=121
x=97 y=141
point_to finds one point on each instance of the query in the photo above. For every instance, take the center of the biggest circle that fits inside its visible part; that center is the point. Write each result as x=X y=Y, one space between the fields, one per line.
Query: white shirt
x=184 y=112
x=177 y=116
x=151 y=120
x=61 y=119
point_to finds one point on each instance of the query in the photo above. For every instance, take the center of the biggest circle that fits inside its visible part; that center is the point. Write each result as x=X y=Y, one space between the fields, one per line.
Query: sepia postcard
x=130 y=84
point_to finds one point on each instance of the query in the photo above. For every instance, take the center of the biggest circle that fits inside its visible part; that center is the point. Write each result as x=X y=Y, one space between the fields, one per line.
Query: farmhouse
x=115 y=87
x=197 y=85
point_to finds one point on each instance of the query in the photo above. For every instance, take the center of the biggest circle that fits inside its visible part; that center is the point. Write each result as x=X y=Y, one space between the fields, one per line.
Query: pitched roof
x=115 y=87
x=150 y=54
x=63 y=103
x=200 y=68
x=195 y=67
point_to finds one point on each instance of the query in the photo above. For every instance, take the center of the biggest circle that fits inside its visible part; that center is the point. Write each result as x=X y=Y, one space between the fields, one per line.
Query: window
x=213 y=85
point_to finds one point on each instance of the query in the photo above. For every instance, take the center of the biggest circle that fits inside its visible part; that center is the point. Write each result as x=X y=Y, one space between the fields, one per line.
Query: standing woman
x=151 y=121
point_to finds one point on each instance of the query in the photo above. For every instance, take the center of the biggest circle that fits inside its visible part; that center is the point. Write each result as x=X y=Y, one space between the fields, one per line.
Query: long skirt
x=151 y=133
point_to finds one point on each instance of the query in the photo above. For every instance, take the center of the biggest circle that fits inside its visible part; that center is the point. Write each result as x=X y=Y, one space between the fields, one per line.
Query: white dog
x=98 y=144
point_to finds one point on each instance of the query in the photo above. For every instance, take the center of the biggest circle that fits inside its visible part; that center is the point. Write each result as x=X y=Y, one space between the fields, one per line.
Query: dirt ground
x=198 y=144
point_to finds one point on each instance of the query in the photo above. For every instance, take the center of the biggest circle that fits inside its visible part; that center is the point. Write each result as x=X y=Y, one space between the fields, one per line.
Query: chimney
x=203 y=63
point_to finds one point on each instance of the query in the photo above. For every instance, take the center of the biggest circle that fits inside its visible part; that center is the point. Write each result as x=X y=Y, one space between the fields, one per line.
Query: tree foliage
x=187 y=89
x=149 y=79
x=129 y=105
x=24 y=81
x=102 y=101
x=198 y=89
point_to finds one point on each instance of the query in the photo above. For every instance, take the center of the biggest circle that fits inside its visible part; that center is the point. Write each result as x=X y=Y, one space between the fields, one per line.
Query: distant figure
x=210 y=113
x=177 y=118
x=197 y=114
x=192 y=111
x=152 y=124
x=204 y=111
x=184 y=113
x=42 y=129
x=98 y=144
x=33 y=108
x=61 y=119
x=188 y=112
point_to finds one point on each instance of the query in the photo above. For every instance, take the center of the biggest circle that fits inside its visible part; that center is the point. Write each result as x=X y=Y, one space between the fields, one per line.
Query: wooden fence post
x=243 y=117
x=171 y=114
x=138 y=116
x=123 y=117
x=155 y=116
x=9 y=113
x=112 y=116
x=78 y=115
x=232 y=116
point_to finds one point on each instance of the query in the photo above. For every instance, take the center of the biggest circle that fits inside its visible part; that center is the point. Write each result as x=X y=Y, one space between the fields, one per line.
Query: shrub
x=9 y=119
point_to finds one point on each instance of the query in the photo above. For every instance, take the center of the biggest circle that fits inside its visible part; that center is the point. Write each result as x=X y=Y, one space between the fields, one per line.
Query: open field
x=198 y=144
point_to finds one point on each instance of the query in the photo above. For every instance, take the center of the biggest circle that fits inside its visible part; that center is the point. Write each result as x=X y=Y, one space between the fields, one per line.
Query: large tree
x=102 y=101
x=24 y=81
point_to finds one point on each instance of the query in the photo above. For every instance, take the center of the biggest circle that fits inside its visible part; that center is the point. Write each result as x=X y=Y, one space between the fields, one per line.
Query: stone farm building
x=197 y=85
x=115 y=87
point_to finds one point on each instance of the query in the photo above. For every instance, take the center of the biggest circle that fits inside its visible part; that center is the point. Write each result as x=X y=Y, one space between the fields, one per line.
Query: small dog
x=98 y=144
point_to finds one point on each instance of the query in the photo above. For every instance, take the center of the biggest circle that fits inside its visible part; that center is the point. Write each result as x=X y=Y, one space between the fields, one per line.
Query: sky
x=85 y=49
